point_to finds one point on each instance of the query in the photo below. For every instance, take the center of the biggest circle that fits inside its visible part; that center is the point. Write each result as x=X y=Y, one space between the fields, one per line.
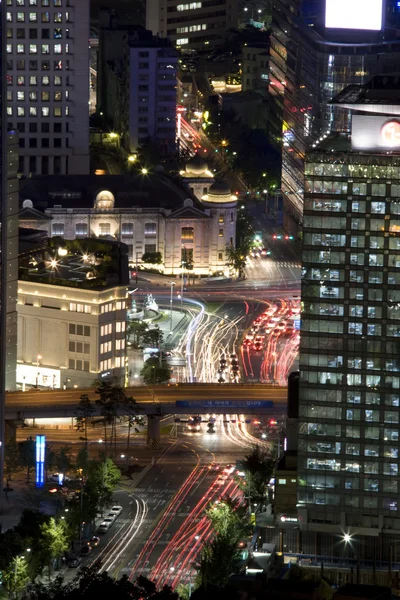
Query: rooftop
x=87 y=263
x=153 y=190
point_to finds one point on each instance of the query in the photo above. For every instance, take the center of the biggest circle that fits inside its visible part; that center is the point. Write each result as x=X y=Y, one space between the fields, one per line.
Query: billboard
x=375 y=133
x=40 y=456
x=354 y=14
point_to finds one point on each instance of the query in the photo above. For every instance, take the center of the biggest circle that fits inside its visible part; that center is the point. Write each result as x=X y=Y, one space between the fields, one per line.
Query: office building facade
x=349 y=409
x=48 y=84
x=197 y=25
x=310 y=64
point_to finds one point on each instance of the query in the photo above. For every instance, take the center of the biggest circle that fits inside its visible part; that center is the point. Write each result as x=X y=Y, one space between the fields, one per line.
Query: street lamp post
x=172 y=283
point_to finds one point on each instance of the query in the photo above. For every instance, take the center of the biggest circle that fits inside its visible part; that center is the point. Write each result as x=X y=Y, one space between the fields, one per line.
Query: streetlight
x=132 y=158
x=171 y=283
x=144 y=171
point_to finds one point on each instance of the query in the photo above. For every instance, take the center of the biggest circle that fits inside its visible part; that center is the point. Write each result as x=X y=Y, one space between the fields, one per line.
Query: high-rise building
x=48 y=84
x=191 y=25
x=349 y=406
x=138 y=85
x=312 y=60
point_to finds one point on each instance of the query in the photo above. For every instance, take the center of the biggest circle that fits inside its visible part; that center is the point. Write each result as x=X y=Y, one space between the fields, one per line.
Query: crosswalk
x=292 y=265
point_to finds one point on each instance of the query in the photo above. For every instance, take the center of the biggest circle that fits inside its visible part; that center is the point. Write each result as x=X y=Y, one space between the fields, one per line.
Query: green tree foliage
x=153 y=372
x=63 y=459
x=54 y=540
x=229 y=517
x=136 y=330
x=11 y=544
x=153 y=338
x=236 y=259
x=154 y=258
x=12 y=461
x=89 y=584
x=16 y=577
x=259 y=467
x=217 y=560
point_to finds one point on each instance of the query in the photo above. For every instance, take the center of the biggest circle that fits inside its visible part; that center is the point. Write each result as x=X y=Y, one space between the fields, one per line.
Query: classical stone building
x=191 y=220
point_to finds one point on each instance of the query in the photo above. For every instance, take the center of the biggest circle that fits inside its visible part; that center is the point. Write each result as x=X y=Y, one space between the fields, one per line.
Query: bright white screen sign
x=354 y=14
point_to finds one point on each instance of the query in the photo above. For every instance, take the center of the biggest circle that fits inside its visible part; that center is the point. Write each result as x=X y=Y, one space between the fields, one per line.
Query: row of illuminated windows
x=351 y=379
x=105 y=365
x=35 y=112
x=35 y=80
x=369 y=415
x=107 y=346
x=356 y=206
x=349 y=397
x=33 y=65
x=189 y=28
x=78 y=307
x=355 y=449
x=34 y=48
x=353 y=328
x=332 y=464
x=79 y=347
x=350 y=500
x=355 y=310
x=348 y=483
x=327 y=292
x=325 y=222
x=127 y=229
x=33 y=17
x=335 y=186
x=340 y=170
x=35 y=2
x=357 y=276
x=355 y=241
x=354 y=362
x=45 y=96
x=119 y=326
x=369 y=432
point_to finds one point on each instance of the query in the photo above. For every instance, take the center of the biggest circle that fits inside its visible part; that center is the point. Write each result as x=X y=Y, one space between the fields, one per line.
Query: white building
x=191 y=25
x=69 y=336
x=149 y=213
x=48 y=84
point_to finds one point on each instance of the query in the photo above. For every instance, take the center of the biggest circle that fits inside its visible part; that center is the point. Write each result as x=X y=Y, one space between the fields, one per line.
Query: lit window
x=282 y=481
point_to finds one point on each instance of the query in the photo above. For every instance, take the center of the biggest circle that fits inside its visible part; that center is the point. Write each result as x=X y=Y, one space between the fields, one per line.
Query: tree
x=236 y=259
x=27 y=455
x=153 y=372
x=111 y=397
x=259 y=467
x=54 y=540
x=218 y=559
x=136 y=329
x=153 y=338
x=154 y=258
x=84 y=411
x=63 y=459
x=130 y=404
x=16 y=576
x=12 y=461
x=100 y=485
x=229 y=517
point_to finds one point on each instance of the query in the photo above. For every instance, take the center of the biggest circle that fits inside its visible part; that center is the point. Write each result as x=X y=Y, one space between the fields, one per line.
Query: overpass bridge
x=154 y=401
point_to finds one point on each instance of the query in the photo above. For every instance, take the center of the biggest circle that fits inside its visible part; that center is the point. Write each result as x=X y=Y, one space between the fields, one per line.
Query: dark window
x=45 y=164
x=57 y=165
x=32 y=142
x=32 y=127
x=21 y=127
x=57 y=127
x=57 y=142
x=45 y=142
x=33 y=34
x=45 y=127
x=21 y=142
x=32 y=164
x=45 y=34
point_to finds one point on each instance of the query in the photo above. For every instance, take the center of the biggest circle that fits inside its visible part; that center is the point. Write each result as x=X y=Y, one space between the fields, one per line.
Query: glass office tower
x=349 y=413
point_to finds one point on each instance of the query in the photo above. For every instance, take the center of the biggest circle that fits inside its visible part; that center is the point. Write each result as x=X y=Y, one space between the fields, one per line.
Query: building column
x=153 y=431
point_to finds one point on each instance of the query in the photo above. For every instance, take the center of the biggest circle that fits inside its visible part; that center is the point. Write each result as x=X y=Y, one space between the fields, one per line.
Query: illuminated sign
x=40 y=453
x=375 y=133
x=285 y=519
x=39 y=376
x=354 y=14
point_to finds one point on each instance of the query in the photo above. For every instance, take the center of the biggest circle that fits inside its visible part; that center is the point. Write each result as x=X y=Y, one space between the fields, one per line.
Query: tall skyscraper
x=48 y=84
x=349 y=408
x=191 y=25
x=312 y=59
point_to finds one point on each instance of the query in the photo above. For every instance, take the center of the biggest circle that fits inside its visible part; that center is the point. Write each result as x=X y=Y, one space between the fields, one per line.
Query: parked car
x=116 y=510
x=73 y=563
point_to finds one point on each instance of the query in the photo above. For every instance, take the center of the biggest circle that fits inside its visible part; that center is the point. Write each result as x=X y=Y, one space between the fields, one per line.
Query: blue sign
x=40 y=453
x=224 y=404
x=297 y=324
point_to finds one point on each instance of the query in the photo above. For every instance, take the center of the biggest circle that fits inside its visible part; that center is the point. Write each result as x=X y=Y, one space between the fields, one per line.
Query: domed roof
x=196 y=165
x=219 y=188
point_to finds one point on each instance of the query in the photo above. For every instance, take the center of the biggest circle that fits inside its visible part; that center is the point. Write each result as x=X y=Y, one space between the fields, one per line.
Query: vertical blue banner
x=40 y=453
